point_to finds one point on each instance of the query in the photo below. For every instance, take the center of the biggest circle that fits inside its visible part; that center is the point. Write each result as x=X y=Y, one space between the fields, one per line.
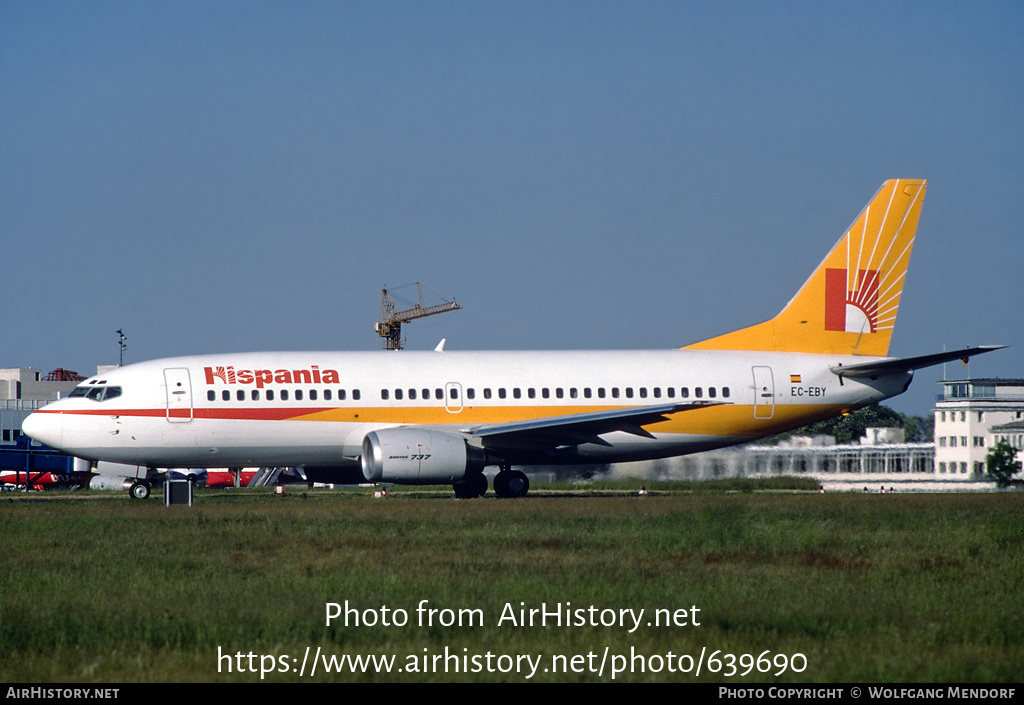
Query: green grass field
x=868 y=588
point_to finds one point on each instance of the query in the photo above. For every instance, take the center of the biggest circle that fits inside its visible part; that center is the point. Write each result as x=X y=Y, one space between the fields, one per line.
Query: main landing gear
x=511 y=483
x=475 y=485
x=508 y=483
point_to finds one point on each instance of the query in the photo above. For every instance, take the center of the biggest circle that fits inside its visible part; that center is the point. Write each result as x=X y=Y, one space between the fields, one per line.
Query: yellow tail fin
x=849 y=304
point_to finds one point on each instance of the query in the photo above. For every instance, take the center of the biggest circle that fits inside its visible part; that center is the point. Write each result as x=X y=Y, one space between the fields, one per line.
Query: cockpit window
x=96 y=393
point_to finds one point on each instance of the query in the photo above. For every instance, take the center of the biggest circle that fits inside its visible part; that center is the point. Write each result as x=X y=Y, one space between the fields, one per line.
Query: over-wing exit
x=442 y=417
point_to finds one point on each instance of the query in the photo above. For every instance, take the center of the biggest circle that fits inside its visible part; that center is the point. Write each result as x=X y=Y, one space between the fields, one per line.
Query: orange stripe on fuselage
x=722 y=420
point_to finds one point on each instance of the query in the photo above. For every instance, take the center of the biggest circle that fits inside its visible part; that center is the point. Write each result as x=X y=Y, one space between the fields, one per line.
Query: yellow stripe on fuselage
x=723 y=420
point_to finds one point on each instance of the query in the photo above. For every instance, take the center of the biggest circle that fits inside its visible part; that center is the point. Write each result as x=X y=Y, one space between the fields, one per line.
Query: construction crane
x=62 y=375
x=390 y=325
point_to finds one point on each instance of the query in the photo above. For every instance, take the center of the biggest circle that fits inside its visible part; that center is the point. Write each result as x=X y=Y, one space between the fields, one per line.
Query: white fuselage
x=314 y=409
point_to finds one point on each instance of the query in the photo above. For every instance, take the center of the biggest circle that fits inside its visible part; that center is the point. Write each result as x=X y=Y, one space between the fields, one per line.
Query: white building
x=25 y=389
x=29 y=383
x=1012 y=433
x=967 y=416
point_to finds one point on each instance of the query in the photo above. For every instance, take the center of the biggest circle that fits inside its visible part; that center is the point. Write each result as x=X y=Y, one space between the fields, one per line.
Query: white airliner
x=442 y=417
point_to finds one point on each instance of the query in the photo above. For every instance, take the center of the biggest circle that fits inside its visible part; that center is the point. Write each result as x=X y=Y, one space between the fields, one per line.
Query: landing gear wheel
x=473 y=486
x=139 y=490
x=511 y=483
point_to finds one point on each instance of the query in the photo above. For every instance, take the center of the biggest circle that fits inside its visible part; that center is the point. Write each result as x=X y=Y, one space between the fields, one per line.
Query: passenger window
x=439 y=393
x=501 y=393
x=586 y=392
x=298 y=395
x=312 y=395
x=412 y=394
x=341 y=395
x=328 y=395
x=573 y=392
x=670 y=392
x=398 y=394
x=425 y=394
x=384 y=394
x=225 y=395
x=657 y=392
x=454 y=392
x=629 y=392
x=240 y=395
x=546 y=393
x=470 y=393
x=712 y=392
x=517 y=392
x=255 y=395
x=600 y=392
x=532 y=393
x=211 y=395
x=725 y=392
x=284 y=395
x=698 y=392
x=356 y=394
x=487 y=392
x=643 y=392
x=559 y=392
x=270 y=395
x=684 y=392
x=615 y=392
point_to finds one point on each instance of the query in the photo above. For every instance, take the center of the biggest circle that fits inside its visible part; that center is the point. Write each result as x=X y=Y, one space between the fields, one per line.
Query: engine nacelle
x=418 y=456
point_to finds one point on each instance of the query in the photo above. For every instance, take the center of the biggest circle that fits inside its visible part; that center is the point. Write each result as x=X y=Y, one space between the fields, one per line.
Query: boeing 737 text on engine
x=442 y=417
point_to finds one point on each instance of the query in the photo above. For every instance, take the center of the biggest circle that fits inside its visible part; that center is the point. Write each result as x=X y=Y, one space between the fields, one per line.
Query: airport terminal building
x=25 y=389
x=971 y=415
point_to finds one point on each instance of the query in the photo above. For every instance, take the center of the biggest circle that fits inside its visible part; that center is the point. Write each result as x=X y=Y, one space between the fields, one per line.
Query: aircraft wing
x=874 y=370
x=575 y=429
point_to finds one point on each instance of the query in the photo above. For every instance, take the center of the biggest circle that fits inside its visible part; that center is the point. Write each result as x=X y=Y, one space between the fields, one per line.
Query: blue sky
x=228 y=176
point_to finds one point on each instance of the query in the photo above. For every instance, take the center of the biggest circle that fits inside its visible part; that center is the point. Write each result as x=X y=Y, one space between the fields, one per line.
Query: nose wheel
x=139 y=490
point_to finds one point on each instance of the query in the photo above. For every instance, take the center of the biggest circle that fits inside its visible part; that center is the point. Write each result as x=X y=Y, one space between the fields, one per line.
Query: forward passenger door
x=179 y=394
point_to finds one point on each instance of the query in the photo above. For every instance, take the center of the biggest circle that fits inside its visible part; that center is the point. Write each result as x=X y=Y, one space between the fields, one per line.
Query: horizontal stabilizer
x=874 y=370
x=575 y=429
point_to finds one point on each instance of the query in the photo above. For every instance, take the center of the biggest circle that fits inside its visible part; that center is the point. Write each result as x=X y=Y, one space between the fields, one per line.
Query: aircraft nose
x=45 y=428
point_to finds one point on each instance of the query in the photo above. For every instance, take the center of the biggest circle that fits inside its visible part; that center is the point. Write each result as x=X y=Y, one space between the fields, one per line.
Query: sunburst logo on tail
x=861 y=300
x=851 y=309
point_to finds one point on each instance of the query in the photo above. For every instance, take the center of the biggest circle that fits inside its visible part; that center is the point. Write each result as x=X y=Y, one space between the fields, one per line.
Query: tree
x=849 y=428
x=1000 y=463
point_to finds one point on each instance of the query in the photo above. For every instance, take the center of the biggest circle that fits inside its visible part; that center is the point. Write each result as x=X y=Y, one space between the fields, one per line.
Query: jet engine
x=418 y=456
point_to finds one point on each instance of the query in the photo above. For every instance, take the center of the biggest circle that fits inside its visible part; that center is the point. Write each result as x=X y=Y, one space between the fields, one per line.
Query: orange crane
x=390 y=325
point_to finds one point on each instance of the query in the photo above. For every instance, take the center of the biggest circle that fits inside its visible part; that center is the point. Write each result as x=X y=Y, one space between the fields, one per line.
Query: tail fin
x=848 y=306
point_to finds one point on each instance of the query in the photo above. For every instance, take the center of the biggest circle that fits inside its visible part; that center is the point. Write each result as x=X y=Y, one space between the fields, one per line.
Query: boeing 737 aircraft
x=442 y=417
